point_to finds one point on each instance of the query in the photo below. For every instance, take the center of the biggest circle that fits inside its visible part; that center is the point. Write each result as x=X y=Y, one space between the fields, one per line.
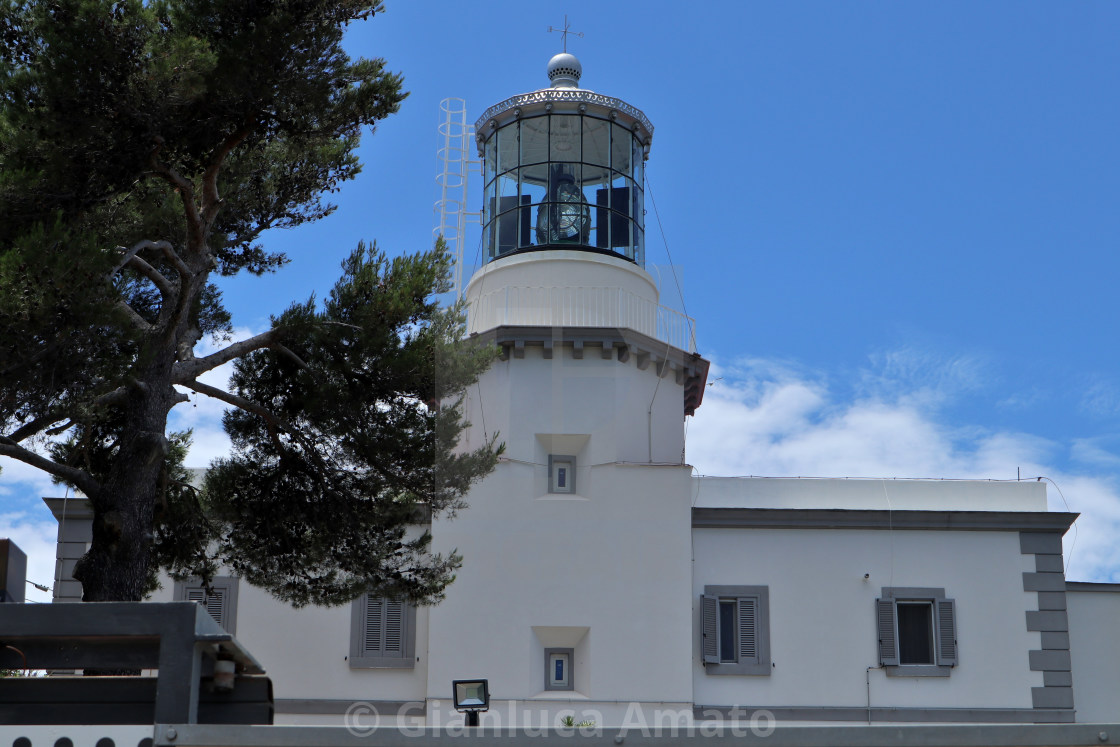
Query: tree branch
x=135 y=319
x=274 y=425
x=115 y=397
x=286 y=352
x=211 y=202
x=232 y=399
x=80 y=479
x=60 y=429
x=166 y=289
x=176 y=261
x=46 y=421
x=183 y=187
x=35 y=426
x=188 y=370
x=136 y=249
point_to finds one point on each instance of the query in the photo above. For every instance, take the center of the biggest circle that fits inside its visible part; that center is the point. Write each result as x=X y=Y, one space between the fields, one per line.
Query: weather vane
x=565 y=31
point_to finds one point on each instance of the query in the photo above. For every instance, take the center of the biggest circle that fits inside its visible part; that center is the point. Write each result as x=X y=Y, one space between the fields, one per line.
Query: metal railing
x=581 y=307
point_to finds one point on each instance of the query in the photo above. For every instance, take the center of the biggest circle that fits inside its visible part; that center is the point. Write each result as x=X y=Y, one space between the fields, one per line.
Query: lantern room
x=563 y=169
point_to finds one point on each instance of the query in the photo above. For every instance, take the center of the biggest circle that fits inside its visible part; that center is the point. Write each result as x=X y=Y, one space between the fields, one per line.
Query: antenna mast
x=456 y=137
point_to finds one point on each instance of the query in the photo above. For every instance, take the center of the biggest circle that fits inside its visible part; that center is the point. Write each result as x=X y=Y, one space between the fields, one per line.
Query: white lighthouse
x=576 y=585
x=601 y=580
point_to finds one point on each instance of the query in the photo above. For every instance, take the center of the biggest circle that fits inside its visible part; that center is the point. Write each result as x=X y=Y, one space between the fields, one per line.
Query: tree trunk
x=117 y=565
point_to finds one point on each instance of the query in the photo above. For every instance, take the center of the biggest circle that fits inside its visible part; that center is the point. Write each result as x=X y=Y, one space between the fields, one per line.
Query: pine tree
x=144 y=148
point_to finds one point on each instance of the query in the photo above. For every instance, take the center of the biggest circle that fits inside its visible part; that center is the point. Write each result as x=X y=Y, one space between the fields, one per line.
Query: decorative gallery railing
x=581 y=307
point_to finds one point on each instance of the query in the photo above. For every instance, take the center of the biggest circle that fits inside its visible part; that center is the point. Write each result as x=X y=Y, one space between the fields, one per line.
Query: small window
x=382 y=633
x=735 y=630
x=558 y=668
x=561 y=474
x=220 y=600
x=917 y=632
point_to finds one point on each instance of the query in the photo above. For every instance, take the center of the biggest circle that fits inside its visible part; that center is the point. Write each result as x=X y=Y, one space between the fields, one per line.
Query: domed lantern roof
x=564 y=71
x=564 y=169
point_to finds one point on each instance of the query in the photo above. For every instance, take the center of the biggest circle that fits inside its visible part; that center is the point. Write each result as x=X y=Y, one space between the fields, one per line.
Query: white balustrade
x=580 y=307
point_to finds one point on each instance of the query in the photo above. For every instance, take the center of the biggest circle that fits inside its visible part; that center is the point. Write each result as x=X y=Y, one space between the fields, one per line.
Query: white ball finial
x=564 y=71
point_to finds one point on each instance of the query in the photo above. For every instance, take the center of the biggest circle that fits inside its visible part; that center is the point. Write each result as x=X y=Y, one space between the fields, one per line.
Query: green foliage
x=359 y=446
x=58 y=323
x=143 y=147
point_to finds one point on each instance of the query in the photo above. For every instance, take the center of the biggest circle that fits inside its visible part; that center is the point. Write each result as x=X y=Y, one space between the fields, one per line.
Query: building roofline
x=832 y=518
x=1091 y=586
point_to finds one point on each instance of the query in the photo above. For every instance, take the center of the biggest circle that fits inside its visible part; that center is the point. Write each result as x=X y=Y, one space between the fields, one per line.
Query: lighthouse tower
x=575 y=591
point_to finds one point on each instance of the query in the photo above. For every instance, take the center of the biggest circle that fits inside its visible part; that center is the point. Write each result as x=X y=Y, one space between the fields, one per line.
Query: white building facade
x=603 y=581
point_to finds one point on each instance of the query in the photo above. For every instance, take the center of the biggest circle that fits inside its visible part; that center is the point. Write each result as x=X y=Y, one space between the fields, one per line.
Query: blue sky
x=896 y=225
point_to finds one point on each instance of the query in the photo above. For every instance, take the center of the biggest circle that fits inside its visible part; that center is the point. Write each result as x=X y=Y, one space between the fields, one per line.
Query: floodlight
x=471 y=698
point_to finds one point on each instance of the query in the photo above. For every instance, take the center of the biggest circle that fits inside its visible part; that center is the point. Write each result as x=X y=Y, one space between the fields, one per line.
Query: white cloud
x=919 y=376
x=759 y=418
x=18 y=478
x=36 y=538
x=1101 y=398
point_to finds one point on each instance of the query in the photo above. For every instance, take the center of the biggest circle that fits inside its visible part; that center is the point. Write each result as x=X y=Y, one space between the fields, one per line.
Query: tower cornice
x=527 y=103
x=613 y=343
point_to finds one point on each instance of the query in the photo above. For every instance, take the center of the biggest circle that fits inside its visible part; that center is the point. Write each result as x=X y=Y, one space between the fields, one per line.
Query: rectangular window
x=735 y=630
x=220 y=600
x=917 y=632
x=728 y=621
x=382 y=633
x=558 y=668
x=561 y=474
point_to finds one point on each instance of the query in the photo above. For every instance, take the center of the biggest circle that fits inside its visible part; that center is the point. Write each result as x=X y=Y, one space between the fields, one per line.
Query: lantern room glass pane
x=564 y=138
x=596 y=141
x=507 y=148
x=637 y=160
x=620 y=192
x=488 y=200
x=491 y=158
x=562 y=175
x=622 y=142
x=534 y=140
x=533 y=194
x=621 y=231
x=507 y=184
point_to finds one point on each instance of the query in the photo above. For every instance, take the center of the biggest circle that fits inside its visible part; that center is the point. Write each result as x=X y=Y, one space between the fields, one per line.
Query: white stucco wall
x=608 y=401
x=897 y=495
x=563 y=269
x=822 y=622
x=1094 y=622
x=604 y=572
x=306 y=651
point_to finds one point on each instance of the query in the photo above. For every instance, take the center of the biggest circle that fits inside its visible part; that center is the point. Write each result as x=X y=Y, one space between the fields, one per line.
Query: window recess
x=917 y=632
x=220 y=601
x=561 y=474
x=382 y=633
x=735 y=630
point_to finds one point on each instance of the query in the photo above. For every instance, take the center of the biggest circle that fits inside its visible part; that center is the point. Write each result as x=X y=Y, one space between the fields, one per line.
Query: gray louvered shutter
x=888 y=637
x=384 y=628
x=946 y=632
x=394 y=628
x=710 y=627
x=748 y=629
x=373 y=641
x=214 y=603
